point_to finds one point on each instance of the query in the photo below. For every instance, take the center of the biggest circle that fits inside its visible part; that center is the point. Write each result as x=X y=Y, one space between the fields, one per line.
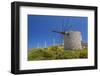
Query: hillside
x=56 y=52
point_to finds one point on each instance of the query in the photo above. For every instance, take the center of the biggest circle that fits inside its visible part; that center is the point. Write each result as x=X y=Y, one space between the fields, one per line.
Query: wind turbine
x=45 y=44
x=38 y=45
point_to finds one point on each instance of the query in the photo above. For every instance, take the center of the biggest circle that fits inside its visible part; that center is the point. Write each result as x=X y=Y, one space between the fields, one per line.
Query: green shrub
x=35 y=54
x=55 y=52
x=83 y=54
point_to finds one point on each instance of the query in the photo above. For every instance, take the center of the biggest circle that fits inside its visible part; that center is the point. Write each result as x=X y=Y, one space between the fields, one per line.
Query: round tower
x=72 y=40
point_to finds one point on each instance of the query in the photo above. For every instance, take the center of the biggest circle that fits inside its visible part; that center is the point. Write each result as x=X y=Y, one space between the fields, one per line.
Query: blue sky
x=40 y=28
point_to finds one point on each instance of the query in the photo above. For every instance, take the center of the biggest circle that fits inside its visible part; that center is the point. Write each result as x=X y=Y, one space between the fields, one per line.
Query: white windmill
x=72 y=39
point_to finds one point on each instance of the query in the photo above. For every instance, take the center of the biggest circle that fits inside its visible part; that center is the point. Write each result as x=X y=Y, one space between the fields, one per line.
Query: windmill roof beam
x=59 y=32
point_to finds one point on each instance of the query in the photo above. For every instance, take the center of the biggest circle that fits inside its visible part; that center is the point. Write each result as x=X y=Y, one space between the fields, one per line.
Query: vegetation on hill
x=56 y=52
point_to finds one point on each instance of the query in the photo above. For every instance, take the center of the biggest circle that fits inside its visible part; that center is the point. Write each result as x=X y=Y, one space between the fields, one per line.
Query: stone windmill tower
x=72 y=39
